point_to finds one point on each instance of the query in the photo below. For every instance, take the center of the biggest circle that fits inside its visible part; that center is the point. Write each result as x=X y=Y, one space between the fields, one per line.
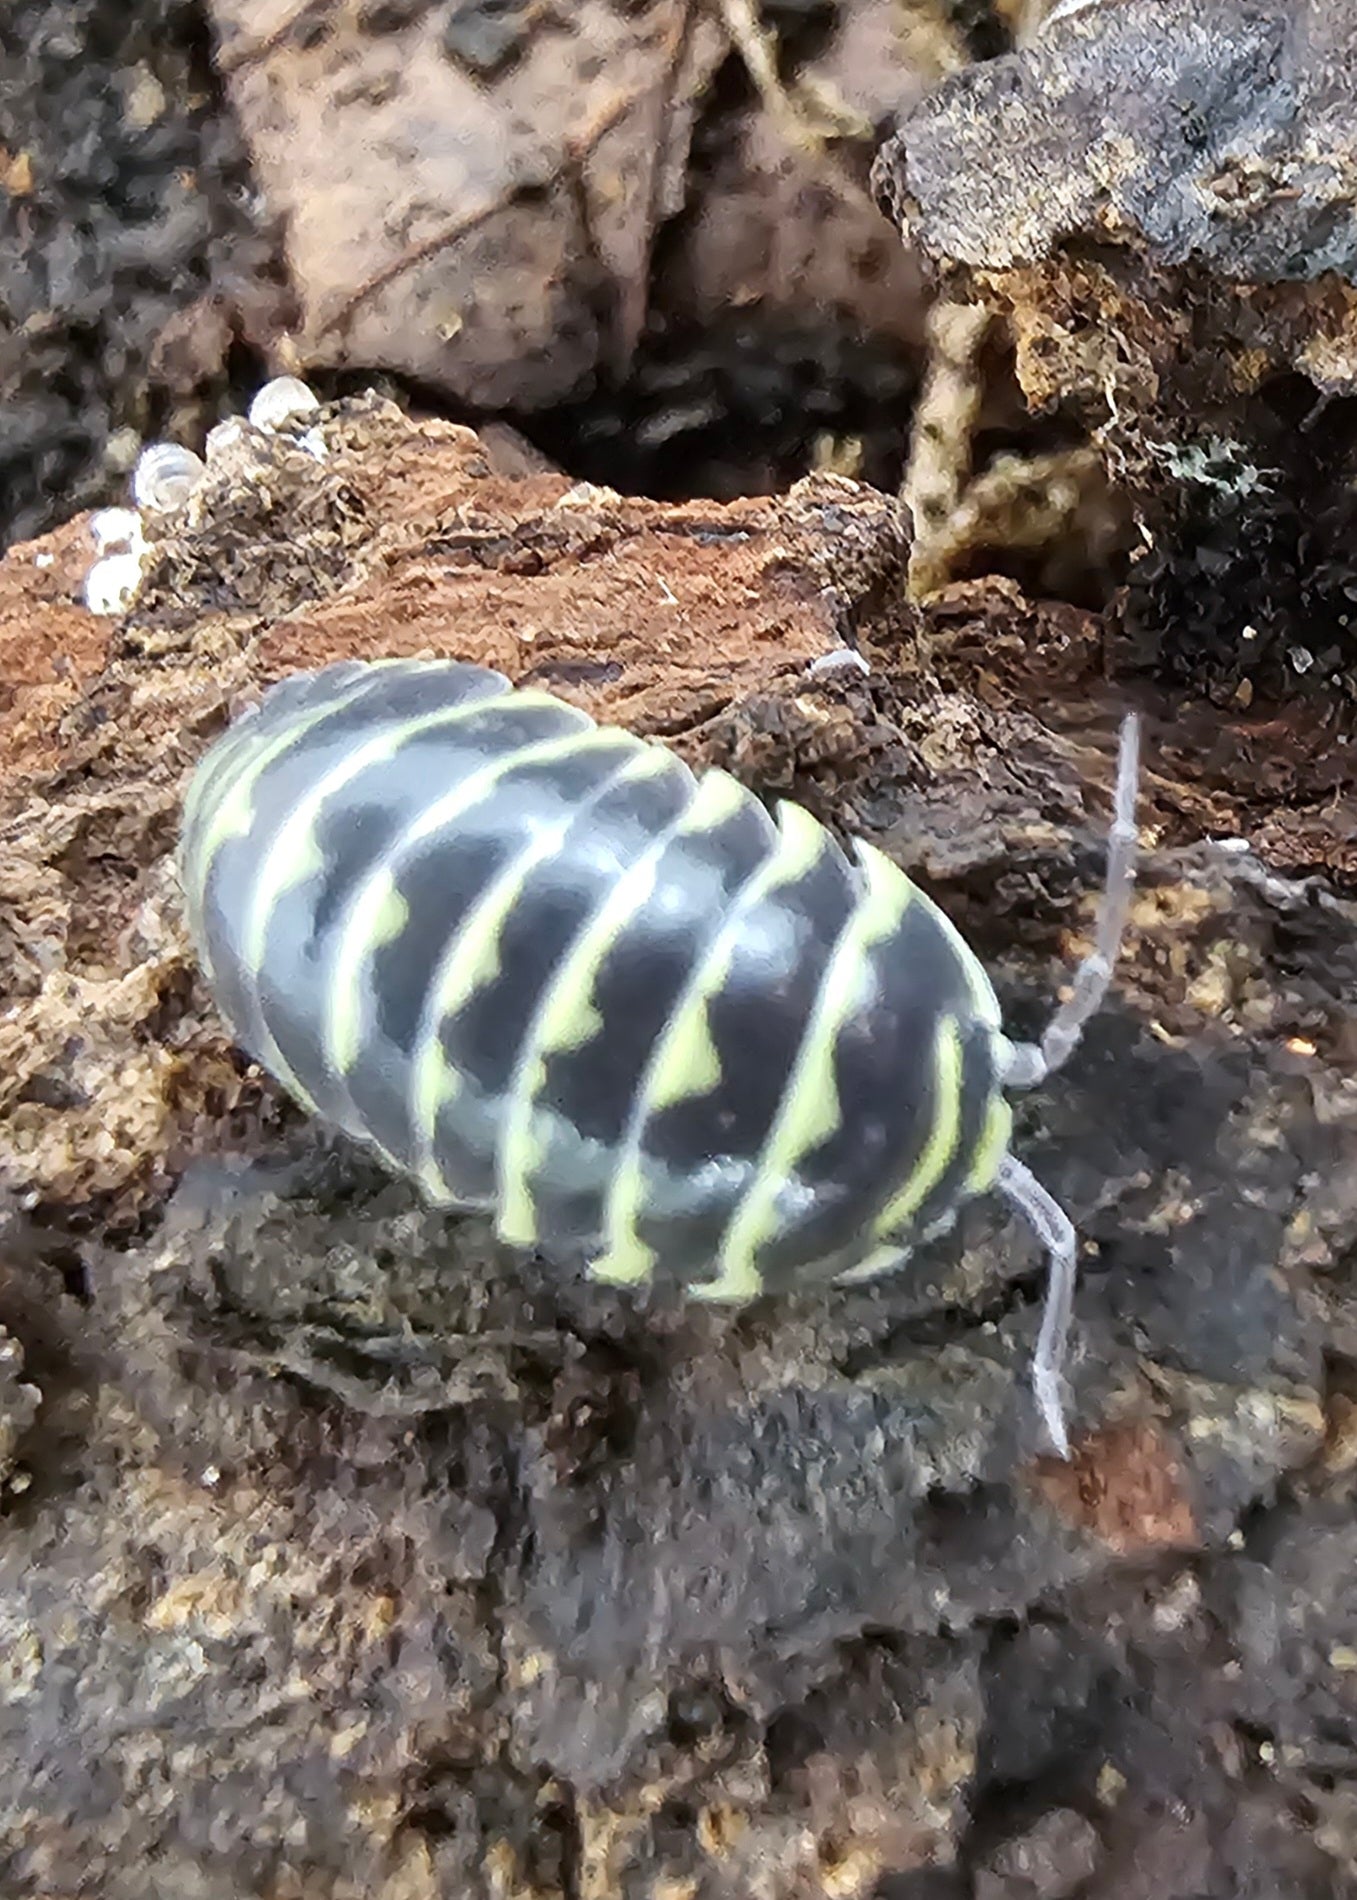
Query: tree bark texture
x=344 y=1554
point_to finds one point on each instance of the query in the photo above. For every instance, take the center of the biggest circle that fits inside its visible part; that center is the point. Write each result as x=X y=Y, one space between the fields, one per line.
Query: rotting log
x=1156 y=200
x=344 y=1554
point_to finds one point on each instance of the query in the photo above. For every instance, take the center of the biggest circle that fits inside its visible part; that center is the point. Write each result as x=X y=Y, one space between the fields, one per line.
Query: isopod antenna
x=1030 y=1063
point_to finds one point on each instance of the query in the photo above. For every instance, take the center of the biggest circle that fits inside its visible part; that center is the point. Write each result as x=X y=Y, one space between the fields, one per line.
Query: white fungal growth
x=1066 y=10
x=114 y=530
x=113 y=582
x=841 y=660
x=225 y=437
x=283 y=401
x=165 y=476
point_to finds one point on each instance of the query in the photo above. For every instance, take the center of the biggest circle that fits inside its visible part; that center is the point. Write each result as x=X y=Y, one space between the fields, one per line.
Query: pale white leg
x=1055 y=1230
x=1030 y=1062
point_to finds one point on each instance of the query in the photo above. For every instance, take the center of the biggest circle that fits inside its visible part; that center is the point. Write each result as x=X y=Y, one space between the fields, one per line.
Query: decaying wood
x=1157 y=200
x=346 y=1555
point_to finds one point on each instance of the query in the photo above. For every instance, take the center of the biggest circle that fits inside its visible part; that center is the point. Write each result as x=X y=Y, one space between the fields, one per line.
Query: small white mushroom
x=113 y=582
x=280 y=402
x=115 y=529
x=165 y=476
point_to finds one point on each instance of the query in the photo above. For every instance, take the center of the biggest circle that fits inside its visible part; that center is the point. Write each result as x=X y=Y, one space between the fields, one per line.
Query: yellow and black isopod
x=545 y=970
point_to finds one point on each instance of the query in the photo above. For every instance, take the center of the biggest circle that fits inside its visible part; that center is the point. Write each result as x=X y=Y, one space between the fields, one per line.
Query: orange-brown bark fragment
x=50 y=645
x=1125 y=1487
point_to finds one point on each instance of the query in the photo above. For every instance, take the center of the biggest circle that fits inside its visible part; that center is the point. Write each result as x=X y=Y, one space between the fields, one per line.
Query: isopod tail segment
x=1027 y=1064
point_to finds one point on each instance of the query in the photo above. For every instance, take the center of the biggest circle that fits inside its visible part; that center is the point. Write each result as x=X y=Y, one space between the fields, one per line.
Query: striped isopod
x=545 y=970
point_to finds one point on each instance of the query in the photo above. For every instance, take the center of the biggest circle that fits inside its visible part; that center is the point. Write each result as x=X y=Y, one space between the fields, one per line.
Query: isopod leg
x=1055 y=1230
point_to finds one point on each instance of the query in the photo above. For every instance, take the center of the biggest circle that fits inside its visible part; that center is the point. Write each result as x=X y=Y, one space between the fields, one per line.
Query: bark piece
x=1158 y=198
x=41 y=675
x=460 y=191
x=473 y=193
x=1051 y=1861
x=1216 y=134
x=19 y=1402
